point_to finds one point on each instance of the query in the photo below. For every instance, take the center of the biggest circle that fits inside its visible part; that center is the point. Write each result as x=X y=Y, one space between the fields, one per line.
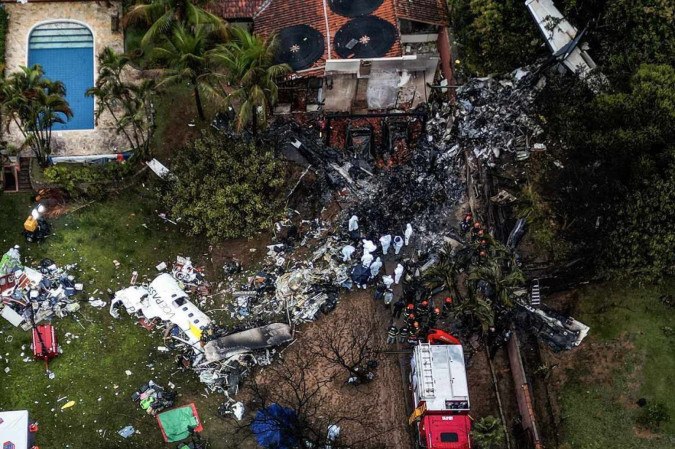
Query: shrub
x=653 y=416
x=488 y=433
x=88 y=181
x=225 y=187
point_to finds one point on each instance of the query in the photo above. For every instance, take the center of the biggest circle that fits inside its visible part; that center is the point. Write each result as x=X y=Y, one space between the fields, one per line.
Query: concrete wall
x=97 y=16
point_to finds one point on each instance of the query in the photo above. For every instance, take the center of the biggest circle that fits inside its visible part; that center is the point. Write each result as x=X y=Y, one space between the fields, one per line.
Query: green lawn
x=91 y=370
x=600 y=413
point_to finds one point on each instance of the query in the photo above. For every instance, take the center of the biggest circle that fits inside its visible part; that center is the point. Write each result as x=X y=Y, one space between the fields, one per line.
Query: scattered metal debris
x=30 y=296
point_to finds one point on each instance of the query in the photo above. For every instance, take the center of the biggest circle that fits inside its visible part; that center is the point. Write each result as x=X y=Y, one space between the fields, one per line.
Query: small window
x=191 y=315
x=180 y=301
x=184 y=309
x=449 y=437
x=196 y=321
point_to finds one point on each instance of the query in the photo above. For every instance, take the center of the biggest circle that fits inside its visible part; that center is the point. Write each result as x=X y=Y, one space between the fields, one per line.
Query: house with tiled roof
x=353 y=55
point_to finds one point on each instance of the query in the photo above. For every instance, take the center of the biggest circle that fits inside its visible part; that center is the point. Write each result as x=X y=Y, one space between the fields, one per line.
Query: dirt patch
x=384 y=398
x=249 y=252
x=594 y=362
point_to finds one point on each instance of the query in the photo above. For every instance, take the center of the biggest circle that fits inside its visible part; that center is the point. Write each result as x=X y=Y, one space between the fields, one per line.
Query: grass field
x=97 y=349
x=598 y=402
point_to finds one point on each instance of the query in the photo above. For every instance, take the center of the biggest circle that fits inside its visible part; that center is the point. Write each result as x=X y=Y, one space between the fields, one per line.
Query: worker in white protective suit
x=369 y=246
x=398 y=272
x=375 y=267
x=347 y=252
x=408 y=233
x=366 y=259
x=385 y=241
x=353 y=223
x=388 y=281
x=398 y=244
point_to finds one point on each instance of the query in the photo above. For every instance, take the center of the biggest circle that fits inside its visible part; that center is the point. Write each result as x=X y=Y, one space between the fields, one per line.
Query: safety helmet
x=448 y=300
x=476 y=225
x=437 y=310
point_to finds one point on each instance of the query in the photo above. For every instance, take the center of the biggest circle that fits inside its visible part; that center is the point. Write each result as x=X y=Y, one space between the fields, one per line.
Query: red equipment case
x=45 y=346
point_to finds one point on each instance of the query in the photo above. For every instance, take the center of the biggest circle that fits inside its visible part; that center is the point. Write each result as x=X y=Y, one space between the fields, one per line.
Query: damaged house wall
x=388 y=83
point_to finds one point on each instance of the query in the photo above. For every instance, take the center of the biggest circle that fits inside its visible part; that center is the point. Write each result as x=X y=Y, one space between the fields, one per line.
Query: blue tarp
x=274 y=427
x=360 y=274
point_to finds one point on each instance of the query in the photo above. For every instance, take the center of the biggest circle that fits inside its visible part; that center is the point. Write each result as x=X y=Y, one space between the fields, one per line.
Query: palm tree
x=488 y=433
x=477 y=311
x=164 y=16
x=446 y=272
x=252 y=72
x=501 y=281
x=34 y=104
x=128 y=103
x=188 y=60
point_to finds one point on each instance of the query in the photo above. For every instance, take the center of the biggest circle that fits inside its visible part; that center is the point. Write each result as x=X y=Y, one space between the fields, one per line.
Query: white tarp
x=382 y=89
x=14 y=429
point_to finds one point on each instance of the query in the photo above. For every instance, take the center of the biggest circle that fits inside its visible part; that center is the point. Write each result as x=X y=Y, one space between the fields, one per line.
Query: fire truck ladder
x=426 y=370
x=535 y=294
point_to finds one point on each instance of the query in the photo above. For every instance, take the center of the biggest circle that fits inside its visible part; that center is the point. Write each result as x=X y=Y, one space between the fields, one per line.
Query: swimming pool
x=65 y=50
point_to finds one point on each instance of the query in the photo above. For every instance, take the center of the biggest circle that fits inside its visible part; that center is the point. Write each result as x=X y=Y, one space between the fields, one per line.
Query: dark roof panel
x=275 y=15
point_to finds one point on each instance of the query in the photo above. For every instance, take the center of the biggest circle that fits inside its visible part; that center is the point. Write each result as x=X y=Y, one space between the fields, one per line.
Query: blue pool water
x=75 y=68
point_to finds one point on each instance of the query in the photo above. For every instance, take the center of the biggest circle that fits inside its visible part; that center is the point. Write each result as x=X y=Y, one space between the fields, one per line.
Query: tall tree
x=187 y=59
x=130 y=104
x=35 y=104
x=249 y=61
x=227 y=188
x=350 y=345
x=617 y=174
x=164 y=16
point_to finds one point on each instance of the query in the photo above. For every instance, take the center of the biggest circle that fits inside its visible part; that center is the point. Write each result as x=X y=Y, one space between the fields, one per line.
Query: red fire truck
x=441 y=396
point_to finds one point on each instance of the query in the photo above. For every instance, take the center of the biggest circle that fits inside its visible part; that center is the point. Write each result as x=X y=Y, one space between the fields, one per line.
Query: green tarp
x=176 y=423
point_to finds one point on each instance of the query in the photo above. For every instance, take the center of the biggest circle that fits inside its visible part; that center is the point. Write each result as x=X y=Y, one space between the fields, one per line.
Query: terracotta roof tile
x=236 y=9
x=278 y=14
x=427 y=11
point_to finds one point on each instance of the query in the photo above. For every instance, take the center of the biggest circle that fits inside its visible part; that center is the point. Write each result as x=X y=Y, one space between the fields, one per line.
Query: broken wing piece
x=561 y=37
x=263 y=337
